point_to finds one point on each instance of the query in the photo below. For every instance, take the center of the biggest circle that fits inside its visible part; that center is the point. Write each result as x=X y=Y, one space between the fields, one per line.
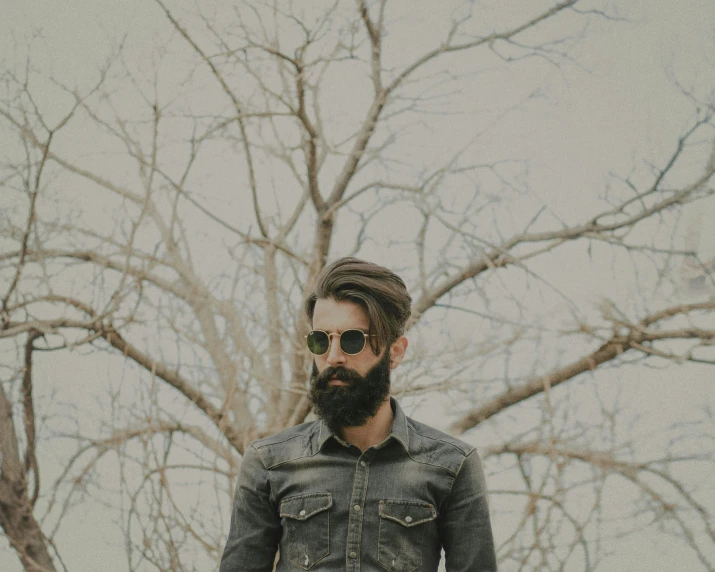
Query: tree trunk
x=16 y=517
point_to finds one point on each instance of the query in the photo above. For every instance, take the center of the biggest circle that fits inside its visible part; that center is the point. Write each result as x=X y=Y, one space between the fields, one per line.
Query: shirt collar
x=398 y=430
x=399 y=425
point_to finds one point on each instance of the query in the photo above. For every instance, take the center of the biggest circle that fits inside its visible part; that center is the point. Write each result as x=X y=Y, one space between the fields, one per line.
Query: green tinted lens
x=352 y=341
x=318 y=342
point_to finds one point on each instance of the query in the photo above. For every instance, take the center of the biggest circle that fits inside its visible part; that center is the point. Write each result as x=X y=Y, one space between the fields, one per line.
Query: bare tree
x=186 y=252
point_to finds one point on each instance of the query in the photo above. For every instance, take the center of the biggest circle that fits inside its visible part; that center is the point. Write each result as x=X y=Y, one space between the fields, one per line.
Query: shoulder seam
x=262 y=446
x=461 y=449
x=258 y=445
x=265 y=441
x=455 y=445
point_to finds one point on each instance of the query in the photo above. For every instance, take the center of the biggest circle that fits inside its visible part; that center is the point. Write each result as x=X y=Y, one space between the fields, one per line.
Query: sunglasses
x=352 y=342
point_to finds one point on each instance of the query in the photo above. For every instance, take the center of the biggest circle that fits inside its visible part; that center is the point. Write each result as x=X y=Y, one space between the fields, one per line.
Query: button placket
x=355 y=519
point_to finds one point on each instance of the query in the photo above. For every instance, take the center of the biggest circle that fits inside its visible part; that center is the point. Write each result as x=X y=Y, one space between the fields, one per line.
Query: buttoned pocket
x=306 y=528
x=401 y=536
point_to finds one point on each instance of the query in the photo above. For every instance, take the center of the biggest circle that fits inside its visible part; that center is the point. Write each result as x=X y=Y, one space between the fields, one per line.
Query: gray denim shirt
x=330 y=506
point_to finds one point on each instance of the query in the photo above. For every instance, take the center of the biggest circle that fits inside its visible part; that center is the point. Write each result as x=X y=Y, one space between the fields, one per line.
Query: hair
x=381 y=293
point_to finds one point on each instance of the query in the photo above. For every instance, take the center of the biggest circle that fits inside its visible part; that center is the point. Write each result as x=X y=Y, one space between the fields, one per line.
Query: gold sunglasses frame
x=330 y=341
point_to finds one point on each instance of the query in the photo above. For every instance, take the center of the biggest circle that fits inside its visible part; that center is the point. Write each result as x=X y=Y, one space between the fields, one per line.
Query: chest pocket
x=401 y=539
x=306 y=528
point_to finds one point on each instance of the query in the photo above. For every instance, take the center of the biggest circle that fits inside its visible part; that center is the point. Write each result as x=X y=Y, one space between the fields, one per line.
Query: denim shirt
x=331 y=507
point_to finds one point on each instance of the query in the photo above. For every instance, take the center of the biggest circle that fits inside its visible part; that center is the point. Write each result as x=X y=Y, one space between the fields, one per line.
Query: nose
x=335 y=353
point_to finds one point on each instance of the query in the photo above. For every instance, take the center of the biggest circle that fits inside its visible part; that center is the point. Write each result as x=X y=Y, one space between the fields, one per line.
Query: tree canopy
x=165 y=214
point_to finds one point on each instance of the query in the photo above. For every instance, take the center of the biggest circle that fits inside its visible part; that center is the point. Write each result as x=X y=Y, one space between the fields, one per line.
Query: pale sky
x=598 y=116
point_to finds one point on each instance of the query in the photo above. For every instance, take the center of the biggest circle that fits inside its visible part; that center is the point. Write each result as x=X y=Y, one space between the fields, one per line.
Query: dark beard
x=353 y=404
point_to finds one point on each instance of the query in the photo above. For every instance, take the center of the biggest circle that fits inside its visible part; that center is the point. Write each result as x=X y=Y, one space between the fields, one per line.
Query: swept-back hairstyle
x=378 y=291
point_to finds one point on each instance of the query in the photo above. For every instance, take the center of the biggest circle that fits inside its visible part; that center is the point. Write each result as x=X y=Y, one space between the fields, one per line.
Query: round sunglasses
x=352 y=342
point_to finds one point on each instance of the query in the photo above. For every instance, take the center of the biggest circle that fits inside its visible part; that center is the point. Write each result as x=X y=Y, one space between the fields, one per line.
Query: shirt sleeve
x=464 y=521
x=255 y=524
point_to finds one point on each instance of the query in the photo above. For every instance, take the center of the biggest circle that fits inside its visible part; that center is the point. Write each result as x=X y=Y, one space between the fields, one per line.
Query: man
x=364 y=488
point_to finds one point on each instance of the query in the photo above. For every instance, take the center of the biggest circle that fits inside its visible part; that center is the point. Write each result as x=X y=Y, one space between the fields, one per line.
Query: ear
x=397 y=351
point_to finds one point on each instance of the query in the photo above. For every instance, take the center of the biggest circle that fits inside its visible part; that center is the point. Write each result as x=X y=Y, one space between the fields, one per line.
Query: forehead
x=338 y=315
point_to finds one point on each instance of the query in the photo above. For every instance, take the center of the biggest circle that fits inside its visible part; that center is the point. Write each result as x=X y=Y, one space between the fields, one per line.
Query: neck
x=375 y=431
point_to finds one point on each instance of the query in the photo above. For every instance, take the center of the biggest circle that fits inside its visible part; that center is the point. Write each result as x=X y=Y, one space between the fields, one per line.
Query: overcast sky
x=617 y=103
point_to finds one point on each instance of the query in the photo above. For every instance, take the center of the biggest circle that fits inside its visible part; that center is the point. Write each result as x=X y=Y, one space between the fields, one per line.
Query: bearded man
x=364 y=488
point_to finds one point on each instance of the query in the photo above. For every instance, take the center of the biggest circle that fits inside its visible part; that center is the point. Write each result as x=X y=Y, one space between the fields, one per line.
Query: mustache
x=349 y=376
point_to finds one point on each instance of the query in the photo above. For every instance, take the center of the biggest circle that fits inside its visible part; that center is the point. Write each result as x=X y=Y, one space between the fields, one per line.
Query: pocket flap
x=304 y=506
x=406 y=512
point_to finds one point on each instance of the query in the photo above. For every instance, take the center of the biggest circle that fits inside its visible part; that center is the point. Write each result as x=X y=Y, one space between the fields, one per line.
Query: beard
x=349 y=405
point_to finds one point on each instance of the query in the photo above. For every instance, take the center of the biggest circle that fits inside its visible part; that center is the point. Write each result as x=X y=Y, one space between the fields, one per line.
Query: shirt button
x=363 y=464
x=357 y=507
x=302 y=513
x=408 y=519
x=353 y=554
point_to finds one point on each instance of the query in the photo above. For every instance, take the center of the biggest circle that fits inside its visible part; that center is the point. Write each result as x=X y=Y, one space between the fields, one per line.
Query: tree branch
x=608 y=351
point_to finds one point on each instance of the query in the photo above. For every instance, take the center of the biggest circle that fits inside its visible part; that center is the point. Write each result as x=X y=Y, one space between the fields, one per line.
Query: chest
x=373 y=506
